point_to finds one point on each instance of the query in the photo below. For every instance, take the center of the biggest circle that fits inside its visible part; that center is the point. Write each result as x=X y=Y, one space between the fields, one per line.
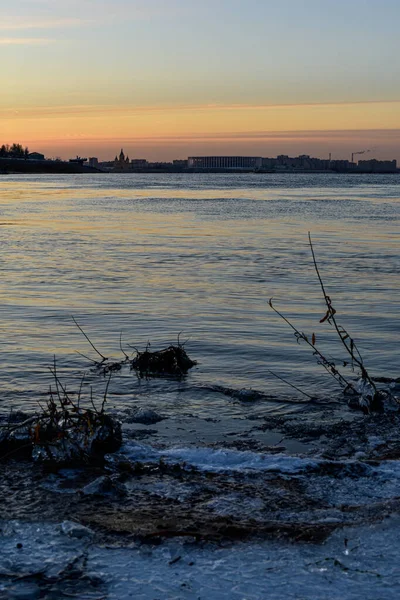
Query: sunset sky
x=171 y=79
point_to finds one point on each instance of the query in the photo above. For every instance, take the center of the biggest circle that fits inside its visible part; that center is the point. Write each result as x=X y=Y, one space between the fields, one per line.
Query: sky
x=182 y=78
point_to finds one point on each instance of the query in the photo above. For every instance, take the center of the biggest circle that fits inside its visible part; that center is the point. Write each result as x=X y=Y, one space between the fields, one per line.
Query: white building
x=225 y=162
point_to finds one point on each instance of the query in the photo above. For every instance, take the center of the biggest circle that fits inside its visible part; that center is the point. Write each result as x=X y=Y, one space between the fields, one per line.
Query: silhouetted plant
x=64 y=432
x=369 y=397
x=171 y=361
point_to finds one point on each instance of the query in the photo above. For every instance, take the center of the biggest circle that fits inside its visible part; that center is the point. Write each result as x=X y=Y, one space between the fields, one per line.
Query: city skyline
x=170 y=80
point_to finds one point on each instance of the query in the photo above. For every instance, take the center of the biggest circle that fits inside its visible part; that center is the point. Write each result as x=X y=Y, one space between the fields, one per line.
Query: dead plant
x=63 y=431
x=369 y=398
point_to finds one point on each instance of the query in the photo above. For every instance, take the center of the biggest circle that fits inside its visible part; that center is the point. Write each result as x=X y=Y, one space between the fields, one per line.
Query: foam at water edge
x=227 y=460
x=221 y=460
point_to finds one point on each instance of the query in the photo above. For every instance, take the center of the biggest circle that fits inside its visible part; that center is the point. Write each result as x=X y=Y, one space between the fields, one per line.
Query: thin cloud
x=17 y=24
x=344 y=135
x=104 y=109
x=89 y=11
x=25 y=41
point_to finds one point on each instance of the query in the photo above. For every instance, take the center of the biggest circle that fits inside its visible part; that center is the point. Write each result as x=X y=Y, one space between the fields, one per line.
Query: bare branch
x=95 y=362
x=120 y=345
x=291 y=385
x=93 y=346
x=329 y=366
x=11 y=428
x=80 y=389
x=344 y=336
x=105 y=394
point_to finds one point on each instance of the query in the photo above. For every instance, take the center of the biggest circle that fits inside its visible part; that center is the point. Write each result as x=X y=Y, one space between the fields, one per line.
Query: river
x=154 y=256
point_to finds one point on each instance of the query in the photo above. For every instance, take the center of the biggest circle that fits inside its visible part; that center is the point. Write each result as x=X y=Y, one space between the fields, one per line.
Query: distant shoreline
x=16 y=166
x=9 y=166
x=245 y=172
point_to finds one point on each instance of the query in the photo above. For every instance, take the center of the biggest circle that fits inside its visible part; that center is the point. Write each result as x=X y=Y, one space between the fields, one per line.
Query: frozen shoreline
x=166 y=521
x=62 y=558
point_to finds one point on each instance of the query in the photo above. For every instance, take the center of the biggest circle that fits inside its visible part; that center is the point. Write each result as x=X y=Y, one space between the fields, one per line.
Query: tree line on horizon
x=13 y=151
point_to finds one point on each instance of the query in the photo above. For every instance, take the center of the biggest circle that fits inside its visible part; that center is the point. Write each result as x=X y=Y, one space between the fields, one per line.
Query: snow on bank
x=353 y=563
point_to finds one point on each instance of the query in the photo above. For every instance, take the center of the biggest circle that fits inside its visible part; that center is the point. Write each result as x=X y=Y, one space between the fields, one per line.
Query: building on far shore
x=378 y=166
x=35 y=156
x=106 y=165
x=246 y=164
x=139 y=163
x=78 y=161
x=225 y=162
x=180 y=164
x=121 y=162
x=93 y=162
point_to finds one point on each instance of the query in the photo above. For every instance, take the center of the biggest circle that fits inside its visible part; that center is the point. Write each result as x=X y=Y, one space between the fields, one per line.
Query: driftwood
x=170 y=361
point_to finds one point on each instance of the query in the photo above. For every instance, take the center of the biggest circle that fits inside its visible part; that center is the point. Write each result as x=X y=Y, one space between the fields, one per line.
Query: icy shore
x=60 y=560
x=166 y=521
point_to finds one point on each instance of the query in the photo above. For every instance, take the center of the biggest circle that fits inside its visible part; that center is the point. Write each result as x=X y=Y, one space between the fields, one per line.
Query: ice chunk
x=145 y=416
x=366 y=393
x=76 y=530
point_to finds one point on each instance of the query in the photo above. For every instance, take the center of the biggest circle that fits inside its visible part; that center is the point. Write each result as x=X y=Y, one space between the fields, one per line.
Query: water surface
x=155 y=255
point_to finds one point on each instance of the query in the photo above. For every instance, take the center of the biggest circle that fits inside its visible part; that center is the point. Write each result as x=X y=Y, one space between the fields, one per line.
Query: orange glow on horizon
x=63 y=127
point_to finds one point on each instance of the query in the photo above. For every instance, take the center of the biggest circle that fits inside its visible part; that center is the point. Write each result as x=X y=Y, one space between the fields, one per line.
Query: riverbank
x=15 y=166
x=208 y=520
x=9 y=166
